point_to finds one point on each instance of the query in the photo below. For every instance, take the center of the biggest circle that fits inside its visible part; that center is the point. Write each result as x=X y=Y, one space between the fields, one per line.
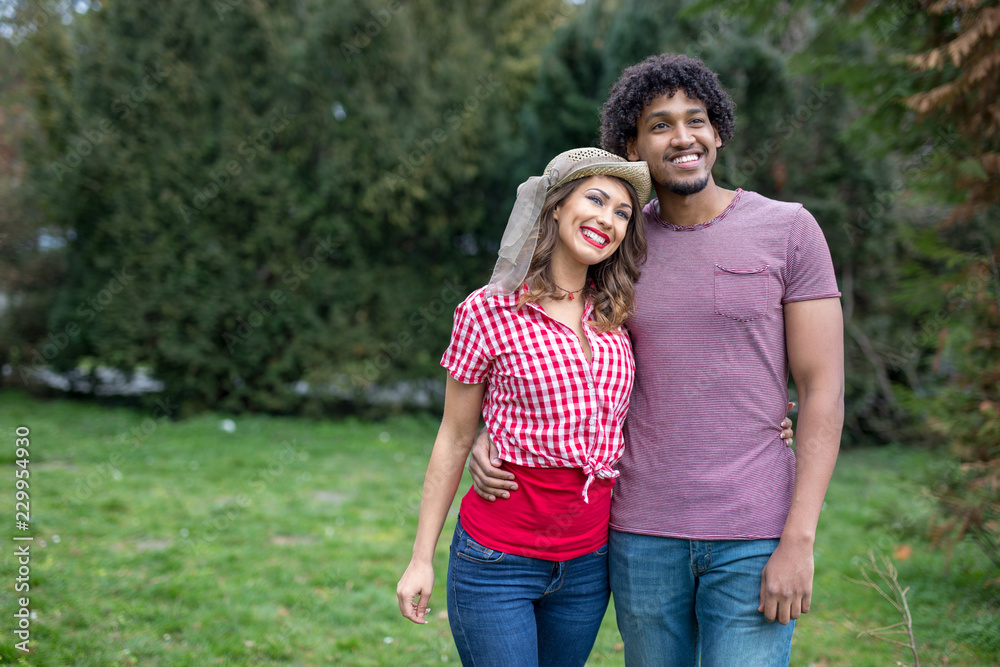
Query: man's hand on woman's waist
x=489 y=480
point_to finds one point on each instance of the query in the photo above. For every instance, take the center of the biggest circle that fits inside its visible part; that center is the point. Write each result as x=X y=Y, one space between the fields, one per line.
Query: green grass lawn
x=160 y=543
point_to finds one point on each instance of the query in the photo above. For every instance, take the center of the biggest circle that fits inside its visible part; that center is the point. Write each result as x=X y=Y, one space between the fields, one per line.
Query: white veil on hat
x=521 y=235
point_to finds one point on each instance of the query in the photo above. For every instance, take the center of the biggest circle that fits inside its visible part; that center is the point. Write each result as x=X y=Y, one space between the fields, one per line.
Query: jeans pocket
x=602 y=552
x=741 y=294
x=469 y=549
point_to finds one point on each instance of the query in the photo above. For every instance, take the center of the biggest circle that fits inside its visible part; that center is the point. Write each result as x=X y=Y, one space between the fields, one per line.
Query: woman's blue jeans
x=678 y=600
x=515 y=611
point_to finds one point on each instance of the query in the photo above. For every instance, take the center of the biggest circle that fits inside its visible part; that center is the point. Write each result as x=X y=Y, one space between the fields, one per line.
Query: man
x=712 y=527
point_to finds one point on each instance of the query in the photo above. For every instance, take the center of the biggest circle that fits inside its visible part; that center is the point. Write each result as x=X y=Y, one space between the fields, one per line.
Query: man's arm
x=490 y=481
x=814 y=336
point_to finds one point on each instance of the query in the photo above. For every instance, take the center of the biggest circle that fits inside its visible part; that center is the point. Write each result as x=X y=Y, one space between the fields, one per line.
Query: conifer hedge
x=273 y=206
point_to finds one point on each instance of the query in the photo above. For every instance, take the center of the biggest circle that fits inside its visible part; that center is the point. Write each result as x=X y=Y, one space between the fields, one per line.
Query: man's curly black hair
x=664 y=74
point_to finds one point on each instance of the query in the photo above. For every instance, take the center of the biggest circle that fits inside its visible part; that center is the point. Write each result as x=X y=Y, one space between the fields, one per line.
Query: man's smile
x=686 y=160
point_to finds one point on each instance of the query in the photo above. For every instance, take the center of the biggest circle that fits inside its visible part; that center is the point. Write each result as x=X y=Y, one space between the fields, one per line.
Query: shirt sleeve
x=808 y=270
x=466 y=357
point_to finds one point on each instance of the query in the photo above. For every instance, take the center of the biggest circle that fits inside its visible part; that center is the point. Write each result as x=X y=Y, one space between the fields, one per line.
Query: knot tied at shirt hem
x=596 y=469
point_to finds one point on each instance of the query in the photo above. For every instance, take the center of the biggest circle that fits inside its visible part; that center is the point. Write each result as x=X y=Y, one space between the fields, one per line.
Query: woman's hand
x=414 y=591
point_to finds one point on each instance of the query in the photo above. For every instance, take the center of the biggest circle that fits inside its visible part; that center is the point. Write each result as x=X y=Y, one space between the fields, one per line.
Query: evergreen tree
x=261 y=194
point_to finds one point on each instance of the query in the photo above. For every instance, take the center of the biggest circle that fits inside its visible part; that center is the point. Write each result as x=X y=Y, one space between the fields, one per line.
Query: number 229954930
x=22 y=456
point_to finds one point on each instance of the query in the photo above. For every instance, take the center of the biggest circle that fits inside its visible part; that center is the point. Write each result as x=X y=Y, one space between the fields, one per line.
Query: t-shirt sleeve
x=466 y=357
x=808 y=270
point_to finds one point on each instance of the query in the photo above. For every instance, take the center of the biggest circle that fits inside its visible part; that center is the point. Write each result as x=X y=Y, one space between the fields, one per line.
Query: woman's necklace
x=570 y=292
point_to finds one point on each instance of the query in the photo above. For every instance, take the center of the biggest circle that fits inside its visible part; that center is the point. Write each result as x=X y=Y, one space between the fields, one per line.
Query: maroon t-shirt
x=703 y=457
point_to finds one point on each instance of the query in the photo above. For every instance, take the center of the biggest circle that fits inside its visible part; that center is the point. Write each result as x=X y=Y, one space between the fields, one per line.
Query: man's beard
x=685 y=188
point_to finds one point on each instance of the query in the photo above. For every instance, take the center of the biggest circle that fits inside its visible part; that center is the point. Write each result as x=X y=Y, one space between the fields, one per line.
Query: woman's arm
x=463 y=404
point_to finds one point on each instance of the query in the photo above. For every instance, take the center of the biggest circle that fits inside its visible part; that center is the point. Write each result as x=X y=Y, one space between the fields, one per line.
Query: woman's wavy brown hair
x=611 y=283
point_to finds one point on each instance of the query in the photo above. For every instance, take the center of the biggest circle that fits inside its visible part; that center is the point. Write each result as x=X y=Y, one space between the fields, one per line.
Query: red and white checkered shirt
x=545 y=405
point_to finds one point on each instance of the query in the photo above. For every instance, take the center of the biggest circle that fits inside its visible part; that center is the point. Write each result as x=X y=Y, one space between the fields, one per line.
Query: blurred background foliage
x=275 y=206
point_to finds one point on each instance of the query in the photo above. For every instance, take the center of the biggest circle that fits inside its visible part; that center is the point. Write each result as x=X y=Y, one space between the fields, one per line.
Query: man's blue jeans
x=514 y=611
x=678 y=599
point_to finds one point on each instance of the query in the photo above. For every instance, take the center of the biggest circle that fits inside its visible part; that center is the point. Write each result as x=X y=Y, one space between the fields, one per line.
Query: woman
x=540 y=352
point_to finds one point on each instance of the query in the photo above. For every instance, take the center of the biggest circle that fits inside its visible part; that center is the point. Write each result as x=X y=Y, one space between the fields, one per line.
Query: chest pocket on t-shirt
x=741 y=293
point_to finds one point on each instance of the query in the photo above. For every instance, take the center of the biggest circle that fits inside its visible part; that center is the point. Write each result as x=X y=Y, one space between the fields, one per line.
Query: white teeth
x=594 y=236
x=685 y=158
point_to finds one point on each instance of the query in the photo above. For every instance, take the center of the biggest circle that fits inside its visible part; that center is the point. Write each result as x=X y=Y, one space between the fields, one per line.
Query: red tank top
x=545 y=518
